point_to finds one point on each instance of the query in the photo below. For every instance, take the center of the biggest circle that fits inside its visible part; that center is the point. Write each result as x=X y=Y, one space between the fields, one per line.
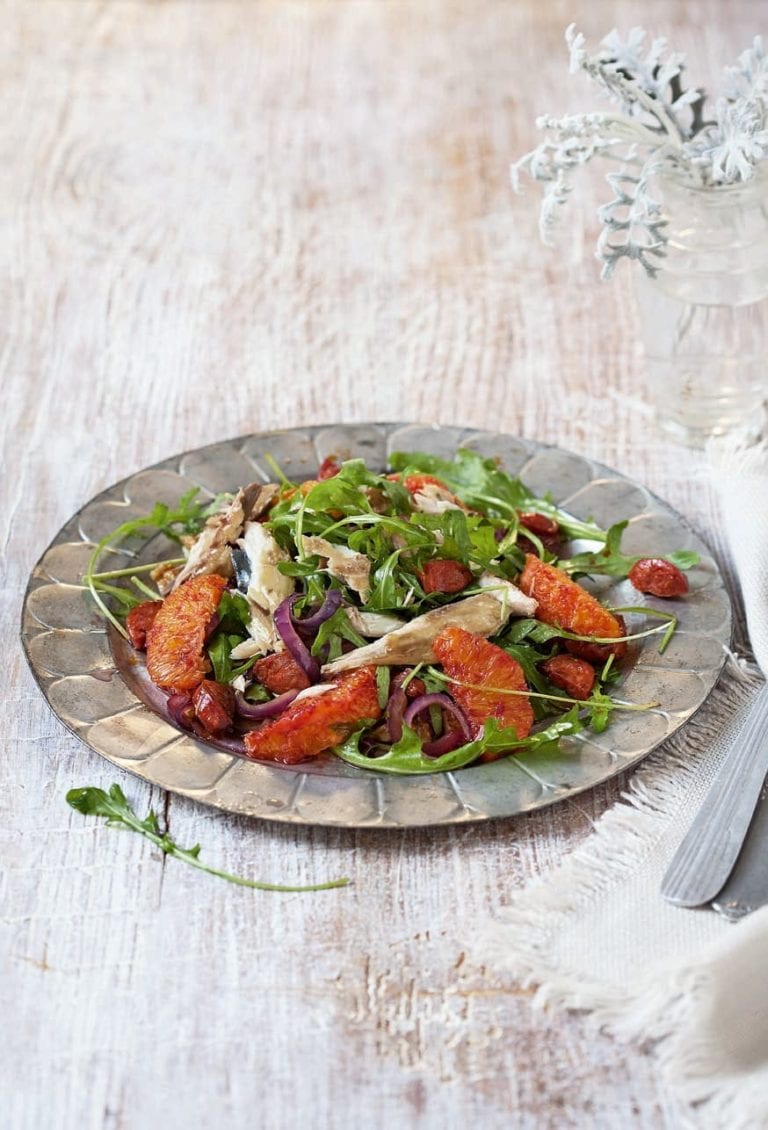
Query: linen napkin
x=595 y=934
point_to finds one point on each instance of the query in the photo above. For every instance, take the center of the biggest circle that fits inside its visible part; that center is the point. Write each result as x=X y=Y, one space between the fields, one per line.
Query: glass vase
x=704 y=317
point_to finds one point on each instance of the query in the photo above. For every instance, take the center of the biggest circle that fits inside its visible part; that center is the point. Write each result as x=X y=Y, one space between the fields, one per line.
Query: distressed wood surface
x=218 y=217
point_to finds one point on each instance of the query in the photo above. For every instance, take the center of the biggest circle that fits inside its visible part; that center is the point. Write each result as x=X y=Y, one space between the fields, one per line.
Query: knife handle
x=708 y=853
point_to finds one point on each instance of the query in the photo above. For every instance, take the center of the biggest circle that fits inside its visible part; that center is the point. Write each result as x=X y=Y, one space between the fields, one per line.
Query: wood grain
x=224 y=216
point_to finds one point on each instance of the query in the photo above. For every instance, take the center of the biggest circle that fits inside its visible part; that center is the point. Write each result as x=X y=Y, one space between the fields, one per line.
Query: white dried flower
x=576 y=42
x=579 y=125
x=749 y=78
x=743 y=142
x=660 y=125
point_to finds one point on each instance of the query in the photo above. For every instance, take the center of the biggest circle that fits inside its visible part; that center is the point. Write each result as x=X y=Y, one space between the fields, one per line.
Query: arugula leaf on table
x=117 y=811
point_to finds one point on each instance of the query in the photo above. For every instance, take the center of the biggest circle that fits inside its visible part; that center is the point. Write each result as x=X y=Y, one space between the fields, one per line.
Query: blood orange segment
x=175 y=657
x=547 y=530
x=539 y=524
x=473 y=660
x=329 y=468
x=318 y=721
x=443 y=575
x=574 y=676
x=563 y=603
x=280 y=673
x=414 y=483
x=139 y=620
x=214 y=705
x=658 y=577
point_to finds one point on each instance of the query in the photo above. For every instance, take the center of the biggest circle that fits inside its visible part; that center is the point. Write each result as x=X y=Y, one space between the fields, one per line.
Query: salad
x=412 y=621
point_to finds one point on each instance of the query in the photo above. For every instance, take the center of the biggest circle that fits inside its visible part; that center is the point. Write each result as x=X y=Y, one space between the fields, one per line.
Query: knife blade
x=702 y=864
x=747 y=887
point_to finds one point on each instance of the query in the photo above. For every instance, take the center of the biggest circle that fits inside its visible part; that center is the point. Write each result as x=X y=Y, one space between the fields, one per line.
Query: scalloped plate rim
x=464 y=816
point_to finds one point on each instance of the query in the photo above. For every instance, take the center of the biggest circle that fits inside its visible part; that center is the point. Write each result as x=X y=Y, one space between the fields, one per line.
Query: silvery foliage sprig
x=659 y=126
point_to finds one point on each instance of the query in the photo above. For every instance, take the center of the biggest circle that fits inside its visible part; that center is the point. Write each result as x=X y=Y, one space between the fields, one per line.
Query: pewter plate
x=97 y=694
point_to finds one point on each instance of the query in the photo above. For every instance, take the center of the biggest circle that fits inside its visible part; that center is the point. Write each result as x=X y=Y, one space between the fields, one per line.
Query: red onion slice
x=396 y=704
x=181 y=713
x=226 y=743
x=174 y=707
x=424 y=701
x=449 y=741
x=181 y=710
x=284 y=623
x=259 y=710
x=331 y=604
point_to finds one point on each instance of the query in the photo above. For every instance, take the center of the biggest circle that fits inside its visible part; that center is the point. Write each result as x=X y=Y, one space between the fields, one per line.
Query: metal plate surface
x=72 y=658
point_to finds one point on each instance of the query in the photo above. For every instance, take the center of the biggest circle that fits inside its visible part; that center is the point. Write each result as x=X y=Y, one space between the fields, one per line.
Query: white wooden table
x=218 y=217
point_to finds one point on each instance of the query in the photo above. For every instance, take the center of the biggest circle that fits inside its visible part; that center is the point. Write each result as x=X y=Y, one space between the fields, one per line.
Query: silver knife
x=747 y=887
x=706 y=857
